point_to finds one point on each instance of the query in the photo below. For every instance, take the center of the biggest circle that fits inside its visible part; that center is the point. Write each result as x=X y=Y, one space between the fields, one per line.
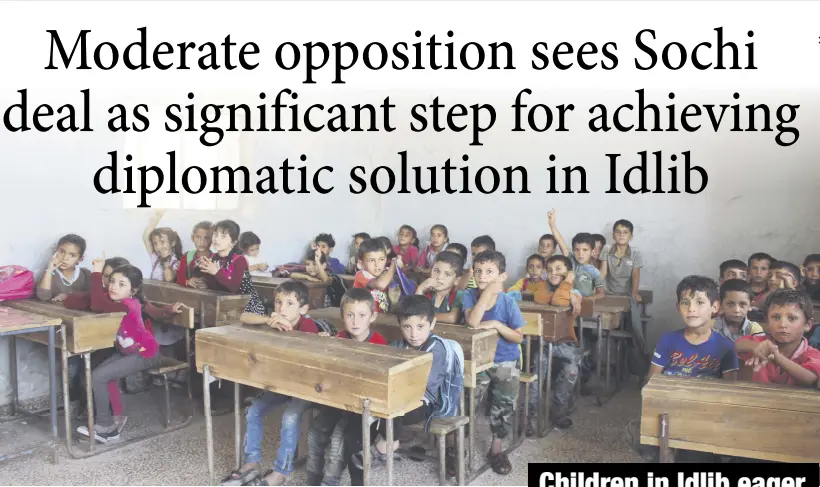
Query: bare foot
x=276 y=478
x=250 y=466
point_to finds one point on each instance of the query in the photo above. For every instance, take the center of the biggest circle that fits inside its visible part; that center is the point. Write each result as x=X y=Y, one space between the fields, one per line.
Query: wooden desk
x=557 y=320
x=611 y=308
x=369 y=379
x=745 y=419
x=534 y=329
x=15 y=322
x=266 y=287
x=211 y=307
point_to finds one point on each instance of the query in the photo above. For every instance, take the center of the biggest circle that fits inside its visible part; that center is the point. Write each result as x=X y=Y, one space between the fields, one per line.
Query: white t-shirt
x=257 y=260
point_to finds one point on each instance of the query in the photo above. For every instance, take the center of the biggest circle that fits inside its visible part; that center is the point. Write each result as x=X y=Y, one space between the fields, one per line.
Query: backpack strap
x=526 y=281
x=452 y=297
x=189 y=256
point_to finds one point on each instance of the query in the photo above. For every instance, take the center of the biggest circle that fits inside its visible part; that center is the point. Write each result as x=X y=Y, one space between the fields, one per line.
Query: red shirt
x=374 y=337
x=306 y=325
x=805 y=356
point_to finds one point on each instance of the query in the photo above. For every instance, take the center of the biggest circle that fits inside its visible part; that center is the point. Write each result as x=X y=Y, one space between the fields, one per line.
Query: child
x=352 y=264
x=547 y=245
x=189 y=274
x=535 y=273
x=290 y=307
x=439 y=239
x=557 y=290
x=696 y=350
x=488 y=307
x=376 y=275
x=459 y=249
x=759 y=265
x=600 y=243
x=811 y=273
x=733 y=269
x=249 y=244
x=416 y=321
x=165 y=249
x=315 y=267
x=70 y=278
x=735 y=302
x=408 y=247
x=784 y=275
x=478 y=245
x=783 y=356
x=621 y=265
x=358 y=312
x=588 y=279
x=441 y=289
x=137 y=350
x=325 y=242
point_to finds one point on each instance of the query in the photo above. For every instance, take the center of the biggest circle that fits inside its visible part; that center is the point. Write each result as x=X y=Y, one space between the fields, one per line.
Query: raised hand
x=98 y=264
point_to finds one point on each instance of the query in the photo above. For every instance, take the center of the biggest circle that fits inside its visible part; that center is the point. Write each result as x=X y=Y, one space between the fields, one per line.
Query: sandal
x=500 y=463
x=237 y=477
x=260 y=479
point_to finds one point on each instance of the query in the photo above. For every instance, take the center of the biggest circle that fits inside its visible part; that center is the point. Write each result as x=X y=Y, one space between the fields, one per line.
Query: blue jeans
x=289 y=439
x=566 y=361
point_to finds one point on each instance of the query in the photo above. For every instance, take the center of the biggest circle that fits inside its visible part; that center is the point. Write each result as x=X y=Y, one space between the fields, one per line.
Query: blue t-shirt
x=678 y=357
x=506 y=311
x=335 y=265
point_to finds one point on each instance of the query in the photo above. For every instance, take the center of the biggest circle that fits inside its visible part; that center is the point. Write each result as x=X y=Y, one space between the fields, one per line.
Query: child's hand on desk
x=763 y=353
x=59 y=298
x=208 y=266
x=196 y=283
x=177 y=308
x=323 y=334
x=278 y=322
x=637 y=297
x=98 y=264
x=575 y=303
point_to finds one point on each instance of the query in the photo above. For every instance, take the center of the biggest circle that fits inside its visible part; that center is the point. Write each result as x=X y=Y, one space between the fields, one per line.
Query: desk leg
x=599 y=346
x=608 y=358
x=664 y=447
x=237 y=423
x=580 y=322
x=539 y=360
x=390 y=451
x=548 y=394
x=473 y=426
x=209 y=427
x=366 y=440
x=13 y=372
x=89 y=396
x=52 y=387
x=66 y=408
x=191 y=366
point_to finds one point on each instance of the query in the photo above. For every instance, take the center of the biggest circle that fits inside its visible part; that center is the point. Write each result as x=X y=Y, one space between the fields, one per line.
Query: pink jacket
x=132 y=336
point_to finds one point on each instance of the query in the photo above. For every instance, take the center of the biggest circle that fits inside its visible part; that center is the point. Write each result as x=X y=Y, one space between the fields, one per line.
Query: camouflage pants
x=566 y=360
x=503 y=383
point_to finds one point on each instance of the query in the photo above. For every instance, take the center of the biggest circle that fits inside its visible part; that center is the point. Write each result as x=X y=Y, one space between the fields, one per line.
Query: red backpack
x=16 y=282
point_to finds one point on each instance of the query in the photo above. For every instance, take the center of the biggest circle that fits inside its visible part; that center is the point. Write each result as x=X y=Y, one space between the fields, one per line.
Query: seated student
x=70 y=278
x=165 y=249
x=600 y=243
x=189 y=274
x=759 y=267
x=315 y=267
x=566 y=356
x=535 y=274
x=325 y=242
x=439 y=239
x=416 y=321
x=811 y=276
x=735 y=302
x=408 y=247
x=249 y=244
x=441 y=288
x=358 y=310
x=352 y=264
x=290 y=307
x=783 y=356
x=488 y=307
x=784 y=275
x=733 y=269
x=696 y=350
x=478 y=245
x=375 y=274
x=459 y=249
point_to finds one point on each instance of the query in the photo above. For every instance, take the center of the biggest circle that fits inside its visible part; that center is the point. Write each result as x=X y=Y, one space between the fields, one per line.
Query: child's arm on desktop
x=319 y=269
x=562 y=244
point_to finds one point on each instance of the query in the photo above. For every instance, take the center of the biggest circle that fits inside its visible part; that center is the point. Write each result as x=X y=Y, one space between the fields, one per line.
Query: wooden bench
x=210 y=307
x=744 y=419
x=373 y=380
x=266 y=288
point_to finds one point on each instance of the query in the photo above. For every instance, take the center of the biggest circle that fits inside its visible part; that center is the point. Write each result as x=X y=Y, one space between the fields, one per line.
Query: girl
x=136 y=350
x=64 y=276
x=439 y=239
x=249 y=244
x=408 y=247
x=165 y=249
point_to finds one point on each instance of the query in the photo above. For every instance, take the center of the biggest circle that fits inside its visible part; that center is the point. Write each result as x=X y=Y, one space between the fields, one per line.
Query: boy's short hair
x=781 y=297
x=73 y=239
x=811 y=258
x=535 y=257
x=115 y=262
x=550 y=237
x=793 y=269
x=461 y=249
x=455 y=261
x=371 y=245
x=761 y=256
x=493 y=256
x=357 y=295
x=560 y=258
x=230 y=227
x=326 y=238
x=204 y=225
x=583 y=238
x=310 y=256
x=484 y=241
x=597 y=237
x=292 y=286
x=415 y=305
x=624 y=223
x=732 y=264
x=248 y=240
x=696 y=284
x=361 y=235
x=735 y=285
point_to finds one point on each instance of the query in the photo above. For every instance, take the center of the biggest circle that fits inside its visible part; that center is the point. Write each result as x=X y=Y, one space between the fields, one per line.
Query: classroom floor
x=180 y=458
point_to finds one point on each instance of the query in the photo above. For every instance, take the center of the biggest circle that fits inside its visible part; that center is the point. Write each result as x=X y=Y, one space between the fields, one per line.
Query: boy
x=63 y=276
x=733 y=269
x=759 y=265
x=588 y=280
x=535 y=274
x=488 y=307
x=479 y=244
x=735 y=301
x=621 y=264
x=696 y=350
x=249 y=244
x=811 y=273
x=352 y=264
x=547 y=245
x=441 y=289
x=784 y=275
x=315 y=267
x=783 y=356
x=290 y=307
x=188 y=273
x=375 y=274
x=325 y=242
x=600 y=243
x=328 y=427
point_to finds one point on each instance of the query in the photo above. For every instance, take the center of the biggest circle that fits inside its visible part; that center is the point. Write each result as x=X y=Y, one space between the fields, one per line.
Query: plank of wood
x=266 y=288
x=185 y=319
x=646 y=296
x=557 y=321
x=17 y=320
x=762 y=421
x=533 y=325
x=216 y=306
x=85 y=331
x=331 y=371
